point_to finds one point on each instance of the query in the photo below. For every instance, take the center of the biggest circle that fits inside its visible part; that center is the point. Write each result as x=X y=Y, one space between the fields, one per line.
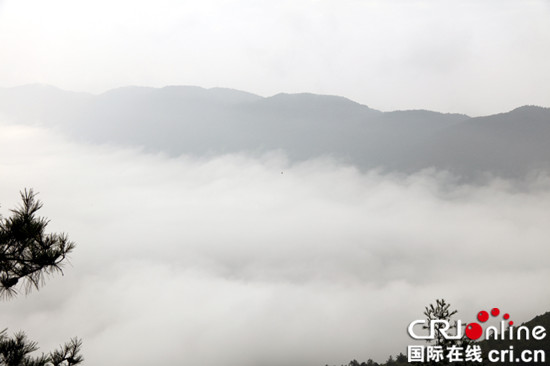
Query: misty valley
x=218 y=219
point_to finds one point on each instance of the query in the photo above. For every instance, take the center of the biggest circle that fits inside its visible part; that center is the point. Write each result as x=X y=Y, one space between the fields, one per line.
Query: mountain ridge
x=194 y=120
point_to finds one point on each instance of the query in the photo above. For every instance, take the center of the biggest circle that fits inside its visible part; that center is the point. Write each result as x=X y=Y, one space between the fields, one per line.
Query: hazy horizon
x=467 y=57
x=98 y=93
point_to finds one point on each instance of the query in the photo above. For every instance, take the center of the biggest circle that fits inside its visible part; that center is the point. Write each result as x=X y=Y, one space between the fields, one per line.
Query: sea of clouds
x=246 y=261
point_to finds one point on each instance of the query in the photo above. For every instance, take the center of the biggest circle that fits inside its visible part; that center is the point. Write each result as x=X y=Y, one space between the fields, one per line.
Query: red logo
x=475 y=330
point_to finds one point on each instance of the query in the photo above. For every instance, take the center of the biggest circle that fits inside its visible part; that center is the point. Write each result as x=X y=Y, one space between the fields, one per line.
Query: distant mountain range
x=194 y=120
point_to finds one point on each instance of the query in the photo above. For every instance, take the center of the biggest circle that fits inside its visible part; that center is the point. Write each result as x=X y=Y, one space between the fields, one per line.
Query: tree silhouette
x=441 y=311
x=27 y=255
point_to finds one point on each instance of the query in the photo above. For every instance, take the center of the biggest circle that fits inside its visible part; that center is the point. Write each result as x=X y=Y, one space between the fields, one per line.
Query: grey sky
x=453 y=56
x=225 y=260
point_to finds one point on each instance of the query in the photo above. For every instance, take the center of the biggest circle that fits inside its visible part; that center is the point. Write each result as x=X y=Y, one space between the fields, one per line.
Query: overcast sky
x=474 y=57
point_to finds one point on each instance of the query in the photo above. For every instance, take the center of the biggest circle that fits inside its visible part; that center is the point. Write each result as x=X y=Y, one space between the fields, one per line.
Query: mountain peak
x=530 y=107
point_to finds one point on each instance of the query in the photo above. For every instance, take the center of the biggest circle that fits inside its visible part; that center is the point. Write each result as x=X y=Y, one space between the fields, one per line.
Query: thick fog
x=247 y=261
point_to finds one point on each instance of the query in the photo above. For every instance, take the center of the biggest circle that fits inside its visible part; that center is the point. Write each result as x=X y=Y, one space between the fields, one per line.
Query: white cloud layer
x=239 y=261
x=454 y=56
